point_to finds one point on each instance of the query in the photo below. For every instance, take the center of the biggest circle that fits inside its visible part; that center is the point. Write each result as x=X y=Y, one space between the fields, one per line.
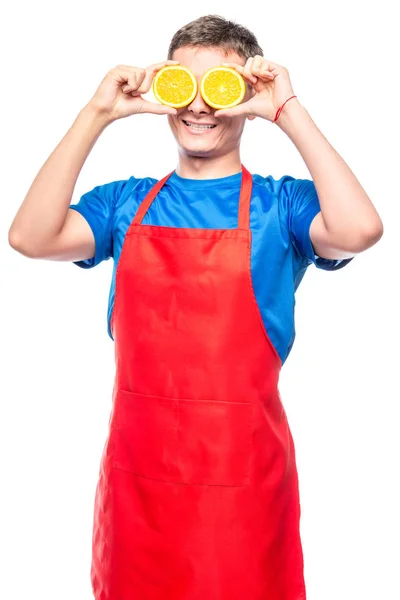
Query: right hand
x=119 y=94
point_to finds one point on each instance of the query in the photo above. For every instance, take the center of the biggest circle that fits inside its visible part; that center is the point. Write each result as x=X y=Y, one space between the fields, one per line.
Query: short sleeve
x=302 y=205
x=97 y=207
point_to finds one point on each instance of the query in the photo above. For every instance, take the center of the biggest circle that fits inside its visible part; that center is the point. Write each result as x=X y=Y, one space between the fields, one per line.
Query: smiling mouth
x=198 y=127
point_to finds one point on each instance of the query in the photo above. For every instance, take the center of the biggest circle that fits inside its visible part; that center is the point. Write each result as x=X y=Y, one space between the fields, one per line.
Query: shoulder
x=294 y=196
x=126 y=188
x=276 y=192
x=279 y=188
x=272 y=184
x=285 y=186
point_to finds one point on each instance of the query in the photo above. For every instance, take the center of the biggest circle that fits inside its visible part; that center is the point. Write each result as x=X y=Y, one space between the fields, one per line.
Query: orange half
x=175 y=86
x=222 y=87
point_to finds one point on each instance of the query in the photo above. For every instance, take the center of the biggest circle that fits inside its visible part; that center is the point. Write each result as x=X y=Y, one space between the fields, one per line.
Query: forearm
x=43 y=212
x=345 y=206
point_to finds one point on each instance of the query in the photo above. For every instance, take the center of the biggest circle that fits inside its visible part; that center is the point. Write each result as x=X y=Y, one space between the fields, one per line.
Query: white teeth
x=199 y=126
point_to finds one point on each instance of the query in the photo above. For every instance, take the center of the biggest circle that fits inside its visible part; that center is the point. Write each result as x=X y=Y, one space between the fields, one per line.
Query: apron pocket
x=214 y=440
x=197 y=442
x=145 y=435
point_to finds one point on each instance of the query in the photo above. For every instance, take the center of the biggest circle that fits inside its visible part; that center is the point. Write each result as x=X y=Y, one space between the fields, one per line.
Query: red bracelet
x=280 y=109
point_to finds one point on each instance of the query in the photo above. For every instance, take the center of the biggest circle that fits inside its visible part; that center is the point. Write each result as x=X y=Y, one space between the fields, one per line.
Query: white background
x=340 y=383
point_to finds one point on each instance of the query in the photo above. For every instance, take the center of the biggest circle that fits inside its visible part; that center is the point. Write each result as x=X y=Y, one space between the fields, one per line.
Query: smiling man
x=198 y=490
x=219 y=141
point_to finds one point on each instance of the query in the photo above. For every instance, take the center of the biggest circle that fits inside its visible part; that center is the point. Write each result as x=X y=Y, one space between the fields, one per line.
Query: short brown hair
x=216 y=32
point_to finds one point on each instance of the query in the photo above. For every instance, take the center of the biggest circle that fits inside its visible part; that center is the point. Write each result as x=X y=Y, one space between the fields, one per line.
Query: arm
x=44 y=226
x=348 y=222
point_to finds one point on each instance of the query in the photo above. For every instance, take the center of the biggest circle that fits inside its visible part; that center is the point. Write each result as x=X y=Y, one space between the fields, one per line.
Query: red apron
x=197 y=495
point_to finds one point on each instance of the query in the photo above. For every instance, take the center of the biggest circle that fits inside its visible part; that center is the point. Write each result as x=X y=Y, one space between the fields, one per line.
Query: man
x=198 y=491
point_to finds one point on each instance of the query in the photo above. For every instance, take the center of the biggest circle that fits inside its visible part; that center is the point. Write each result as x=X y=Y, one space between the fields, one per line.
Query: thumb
x=240 y=109
x=157 y=109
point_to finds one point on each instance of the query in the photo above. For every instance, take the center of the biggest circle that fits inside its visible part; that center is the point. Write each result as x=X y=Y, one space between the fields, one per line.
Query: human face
x=225 y=136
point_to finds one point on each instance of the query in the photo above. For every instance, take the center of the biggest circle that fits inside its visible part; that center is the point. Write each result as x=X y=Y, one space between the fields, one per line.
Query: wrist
x=93 y=115
x=291 y=112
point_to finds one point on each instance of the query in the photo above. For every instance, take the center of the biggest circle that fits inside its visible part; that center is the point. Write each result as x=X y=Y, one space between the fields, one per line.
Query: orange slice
x=175 y=86
x=222 y=87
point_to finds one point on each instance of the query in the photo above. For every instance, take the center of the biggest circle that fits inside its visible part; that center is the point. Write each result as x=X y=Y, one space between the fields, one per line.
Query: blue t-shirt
x=281 y=212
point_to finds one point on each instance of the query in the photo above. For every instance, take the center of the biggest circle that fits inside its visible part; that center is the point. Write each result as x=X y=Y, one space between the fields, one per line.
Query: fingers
x=134 y=80
x=248 y=72
x=138 y=79
x=255 y=67
x=163 y=64
x=150 y=73
x=242 y=71
x=261 y=68
x=245 y=73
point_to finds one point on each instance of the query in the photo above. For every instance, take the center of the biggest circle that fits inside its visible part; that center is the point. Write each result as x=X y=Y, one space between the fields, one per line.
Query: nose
x=198 y=105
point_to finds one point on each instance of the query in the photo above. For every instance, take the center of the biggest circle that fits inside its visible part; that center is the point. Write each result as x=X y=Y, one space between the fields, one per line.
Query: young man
x=198 y=491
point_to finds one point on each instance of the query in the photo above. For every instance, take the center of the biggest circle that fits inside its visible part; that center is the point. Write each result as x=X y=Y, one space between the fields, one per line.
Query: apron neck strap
x=244 y=201
x=145 y=204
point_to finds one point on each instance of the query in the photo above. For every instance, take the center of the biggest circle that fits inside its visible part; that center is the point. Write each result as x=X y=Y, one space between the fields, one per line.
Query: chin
x=197 y=153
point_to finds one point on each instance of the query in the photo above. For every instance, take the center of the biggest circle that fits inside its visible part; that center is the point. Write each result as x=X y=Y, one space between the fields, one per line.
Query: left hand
x=271 y=88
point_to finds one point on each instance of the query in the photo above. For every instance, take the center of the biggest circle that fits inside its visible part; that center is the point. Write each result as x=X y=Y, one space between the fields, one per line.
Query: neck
x=195 y=167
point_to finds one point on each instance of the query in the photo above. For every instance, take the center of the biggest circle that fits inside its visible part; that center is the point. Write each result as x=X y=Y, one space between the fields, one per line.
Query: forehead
x=199 y=59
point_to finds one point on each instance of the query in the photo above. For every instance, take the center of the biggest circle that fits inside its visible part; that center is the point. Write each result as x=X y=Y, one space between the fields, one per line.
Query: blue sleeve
x=97 y=207
x=301 y=200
